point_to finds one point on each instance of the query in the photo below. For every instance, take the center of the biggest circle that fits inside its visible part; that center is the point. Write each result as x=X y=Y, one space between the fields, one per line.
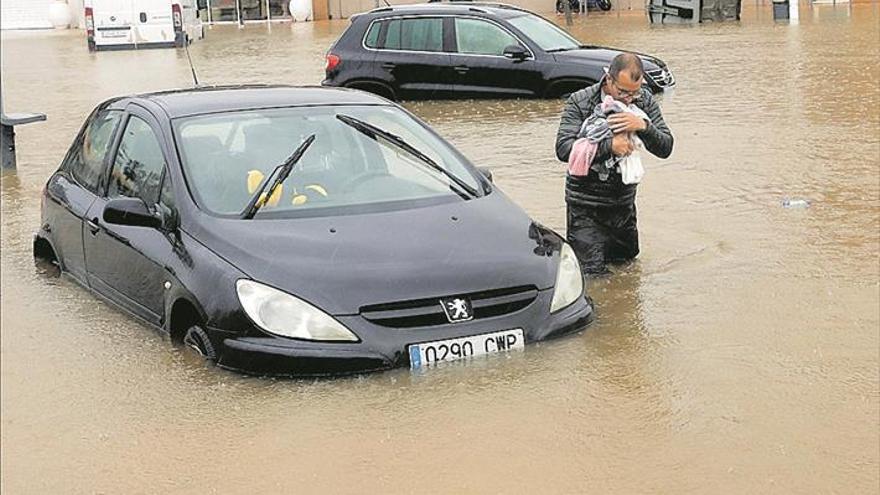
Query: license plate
x=428 y=353
x=115 y=33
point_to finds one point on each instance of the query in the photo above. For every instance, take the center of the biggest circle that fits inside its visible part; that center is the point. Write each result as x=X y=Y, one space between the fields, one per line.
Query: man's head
x=625 y=77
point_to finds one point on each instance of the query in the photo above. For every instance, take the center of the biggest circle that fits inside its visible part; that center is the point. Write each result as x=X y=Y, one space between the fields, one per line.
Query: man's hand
x=626 y=122
x=621 y=145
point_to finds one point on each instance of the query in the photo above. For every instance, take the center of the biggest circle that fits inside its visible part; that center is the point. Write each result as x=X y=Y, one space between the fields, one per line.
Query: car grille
x=662 y=77
x=428 y=312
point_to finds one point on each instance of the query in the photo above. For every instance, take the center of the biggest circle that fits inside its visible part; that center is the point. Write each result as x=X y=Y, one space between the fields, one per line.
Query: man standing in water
x=601 y=209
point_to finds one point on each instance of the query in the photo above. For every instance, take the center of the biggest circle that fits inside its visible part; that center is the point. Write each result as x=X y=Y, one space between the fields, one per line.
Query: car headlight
x=569 y=280
x=282 y=314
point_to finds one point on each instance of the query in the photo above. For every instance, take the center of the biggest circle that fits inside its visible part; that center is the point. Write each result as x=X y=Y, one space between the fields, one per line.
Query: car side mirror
x=487 y=173
x=169 y=217
x=130 y=211
x=516 y=53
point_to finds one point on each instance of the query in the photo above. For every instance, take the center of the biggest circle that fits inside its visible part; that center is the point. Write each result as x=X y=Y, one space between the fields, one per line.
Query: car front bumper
x=384 y=348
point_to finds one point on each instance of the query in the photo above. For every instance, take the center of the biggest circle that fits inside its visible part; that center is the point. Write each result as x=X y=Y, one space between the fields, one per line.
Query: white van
x=122 y=24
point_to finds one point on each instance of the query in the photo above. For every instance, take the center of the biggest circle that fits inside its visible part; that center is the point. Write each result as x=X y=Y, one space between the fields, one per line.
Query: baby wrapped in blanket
x=593 y=131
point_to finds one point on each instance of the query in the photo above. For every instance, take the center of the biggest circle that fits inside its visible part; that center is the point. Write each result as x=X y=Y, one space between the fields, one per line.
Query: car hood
x=342 y=263
x=603 y=55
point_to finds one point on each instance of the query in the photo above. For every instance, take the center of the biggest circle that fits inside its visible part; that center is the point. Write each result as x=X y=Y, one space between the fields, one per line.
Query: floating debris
x=795 y=203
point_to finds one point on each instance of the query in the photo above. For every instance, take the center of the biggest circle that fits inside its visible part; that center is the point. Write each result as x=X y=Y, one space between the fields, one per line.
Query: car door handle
x=388 y=65
x=93 y=226
x=461 y=69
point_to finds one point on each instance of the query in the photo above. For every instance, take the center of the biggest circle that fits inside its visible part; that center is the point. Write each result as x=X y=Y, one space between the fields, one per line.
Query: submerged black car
x=302 y=231
x=469 y=50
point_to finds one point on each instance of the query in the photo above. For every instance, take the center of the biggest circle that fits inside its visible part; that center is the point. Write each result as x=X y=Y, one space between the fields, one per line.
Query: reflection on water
x=739 y=353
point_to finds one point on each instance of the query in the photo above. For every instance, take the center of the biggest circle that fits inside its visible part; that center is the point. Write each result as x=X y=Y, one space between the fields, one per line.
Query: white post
x=793 y=11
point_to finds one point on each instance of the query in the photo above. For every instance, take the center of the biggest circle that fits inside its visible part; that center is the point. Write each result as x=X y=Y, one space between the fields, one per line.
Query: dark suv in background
x=469 y=50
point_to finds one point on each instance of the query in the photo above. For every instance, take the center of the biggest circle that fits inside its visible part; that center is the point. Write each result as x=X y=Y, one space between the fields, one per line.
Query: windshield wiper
x=275 y=178
x=373 y=132
x=562 y=49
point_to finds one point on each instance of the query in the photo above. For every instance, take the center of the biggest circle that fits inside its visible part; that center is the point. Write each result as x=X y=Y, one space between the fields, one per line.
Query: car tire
x=197 y=340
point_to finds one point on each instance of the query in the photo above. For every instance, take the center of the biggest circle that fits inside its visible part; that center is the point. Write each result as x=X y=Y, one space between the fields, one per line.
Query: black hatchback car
x=469 y=50
x=302 y=231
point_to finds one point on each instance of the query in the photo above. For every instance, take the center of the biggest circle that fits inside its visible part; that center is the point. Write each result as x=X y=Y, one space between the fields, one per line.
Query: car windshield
x=544 y=33
x=227 y=156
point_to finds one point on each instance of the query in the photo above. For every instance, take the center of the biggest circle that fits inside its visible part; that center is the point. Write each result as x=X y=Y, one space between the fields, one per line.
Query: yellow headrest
x=254 y=179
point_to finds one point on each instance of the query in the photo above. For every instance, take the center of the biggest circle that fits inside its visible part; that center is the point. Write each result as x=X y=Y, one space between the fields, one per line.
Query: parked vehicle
x=471 y=50
x=133 y=24
x=575 y=5
x=381 y=245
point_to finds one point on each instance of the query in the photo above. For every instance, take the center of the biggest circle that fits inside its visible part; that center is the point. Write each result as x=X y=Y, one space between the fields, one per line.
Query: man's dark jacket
x=657 y=138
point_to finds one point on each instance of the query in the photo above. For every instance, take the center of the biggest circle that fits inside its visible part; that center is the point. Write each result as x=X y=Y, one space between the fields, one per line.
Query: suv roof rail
x=475 y=3
x=497 y=5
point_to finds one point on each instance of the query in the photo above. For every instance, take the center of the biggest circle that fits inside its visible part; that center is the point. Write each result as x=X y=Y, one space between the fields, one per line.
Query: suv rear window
x=372 y=38
x=423 y=34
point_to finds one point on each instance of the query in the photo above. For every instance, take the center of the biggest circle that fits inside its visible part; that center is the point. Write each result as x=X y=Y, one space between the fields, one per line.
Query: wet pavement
x=739 y=354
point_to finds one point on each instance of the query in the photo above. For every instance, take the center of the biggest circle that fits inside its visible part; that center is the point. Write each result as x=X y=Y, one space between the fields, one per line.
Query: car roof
x=217 y=99
x=501 y=10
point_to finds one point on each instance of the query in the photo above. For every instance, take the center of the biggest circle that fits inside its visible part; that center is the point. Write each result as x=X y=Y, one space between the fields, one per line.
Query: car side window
x=425 y=34
x=86 y=163
x=137 y=170
x=371 y=40
x=478 y=37
x=166 y=196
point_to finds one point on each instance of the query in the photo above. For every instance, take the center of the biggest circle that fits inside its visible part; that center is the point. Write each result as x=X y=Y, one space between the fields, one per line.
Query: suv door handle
x=93 y=226
x=461 y=69
x=388 y=65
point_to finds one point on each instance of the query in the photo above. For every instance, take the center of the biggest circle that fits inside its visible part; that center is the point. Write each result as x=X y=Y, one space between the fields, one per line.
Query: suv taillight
x=333 y=61
x=176 y=17
x=90 y=22
x=90 y=29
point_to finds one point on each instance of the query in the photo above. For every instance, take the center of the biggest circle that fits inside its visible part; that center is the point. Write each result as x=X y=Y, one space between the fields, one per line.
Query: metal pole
x=7 y=140
x=7 y=133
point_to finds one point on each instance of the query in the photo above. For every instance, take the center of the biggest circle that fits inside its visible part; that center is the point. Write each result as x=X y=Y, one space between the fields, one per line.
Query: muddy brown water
x=739 y=354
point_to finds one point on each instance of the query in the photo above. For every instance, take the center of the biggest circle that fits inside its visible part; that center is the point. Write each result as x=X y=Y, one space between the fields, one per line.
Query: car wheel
x=196 y=339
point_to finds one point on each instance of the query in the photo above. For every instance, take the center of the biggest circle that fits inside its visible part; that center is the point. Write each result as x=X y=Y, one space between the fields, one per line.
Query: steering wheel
x=356 y=180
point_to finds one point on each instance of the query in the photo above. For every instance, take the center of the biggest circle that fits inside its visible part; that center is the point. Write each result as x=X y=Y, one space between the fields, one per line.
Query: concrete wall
x=24 y=14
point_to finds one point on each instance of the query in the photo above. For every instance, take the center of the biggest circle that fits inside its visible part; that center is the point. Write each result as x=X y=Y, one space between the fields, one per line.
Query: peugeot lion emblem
x=457 y=309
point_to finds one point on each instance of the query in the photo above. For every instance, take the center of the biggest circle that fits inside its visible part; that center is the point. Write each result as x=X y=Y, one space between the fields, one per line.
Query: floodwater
x=739 y=354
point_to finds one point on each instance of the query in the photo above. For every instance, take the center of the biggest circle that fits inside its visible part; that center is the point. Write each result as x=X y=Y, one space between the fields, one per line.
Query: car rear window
x=425 y=34
x=86 y=161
